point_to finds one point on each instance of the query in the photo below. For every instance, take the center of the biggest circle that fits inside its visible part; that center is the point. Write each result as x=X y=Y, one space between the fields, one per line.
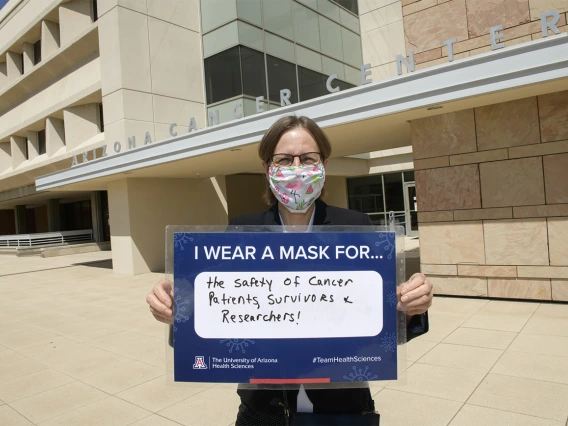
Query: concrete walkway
x=78 y=346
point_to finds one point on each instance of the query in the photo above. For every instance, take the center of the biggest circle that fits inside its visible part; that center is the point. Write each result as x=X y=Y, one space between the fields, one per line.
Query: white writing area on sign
x=286 y=305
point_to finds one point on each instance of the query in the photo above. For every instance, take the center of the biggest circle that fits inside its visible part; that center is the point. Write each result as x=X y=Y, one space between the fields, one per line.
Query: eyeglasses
x=307 y=159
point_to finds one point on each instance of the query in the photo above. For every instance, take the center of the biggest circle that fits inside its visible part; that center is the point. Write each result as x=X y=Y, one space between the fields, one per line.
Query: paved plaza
x=78 y=346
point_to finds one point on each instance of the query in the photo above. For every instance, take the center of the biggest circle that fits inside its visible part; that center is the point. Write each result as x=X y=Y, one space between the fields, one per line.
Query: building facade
x=125 y=116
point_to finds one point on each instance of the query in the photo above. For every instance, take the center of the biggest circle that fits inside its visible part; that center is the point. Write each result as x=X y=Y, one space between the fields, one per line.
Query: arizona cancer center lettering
x=549 y=20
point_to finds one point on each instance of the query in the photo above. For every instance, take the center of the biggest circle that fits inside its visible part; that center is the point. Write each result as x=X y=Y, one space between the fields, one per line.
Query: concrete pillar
x=97 y=216
x=18 y=146
x=5 y=156
x=336 y=191
x=140 y=210
x=33 y=145
x=53 y=215
x=20 y=215
x=3 y=75
x=81 y=124
x=14 y=65
x=54 y=135
x=74 y=17
x=29 y=60
x=49 y=38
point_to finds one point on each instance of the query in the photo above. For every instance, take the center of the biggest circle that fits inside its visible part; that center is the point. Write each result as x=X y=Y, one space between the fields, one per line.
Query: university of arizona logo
x=199 y=363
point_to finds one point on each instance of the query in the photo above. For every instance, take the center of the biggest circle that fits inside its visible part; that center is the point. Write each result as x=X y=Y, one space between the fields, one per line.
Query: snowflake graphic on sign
x=237 y=344
x=391 y=298
x=388 y=342
x=360 y=375
x=180 y=307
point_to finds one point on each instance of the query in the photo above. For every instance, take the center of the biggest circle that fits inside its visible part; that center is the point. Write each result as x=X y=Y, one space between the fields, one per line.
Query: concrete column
x=81 y=124
x=20 y=214
x=336 y=191
x=14 y=65
x=49 y=38
x=18 y=147
x=74 y=17
x=140 y=210
x=33 y=145
x=29 y=60
x=53 y=215
x=97 y=216
x=54 y=135
x=3 y=75
x=5 y=156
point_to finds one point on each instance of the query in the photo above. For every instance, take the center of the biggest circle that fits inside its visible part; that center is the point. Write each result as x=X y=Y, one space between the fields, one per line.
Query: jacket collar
x=273 y=218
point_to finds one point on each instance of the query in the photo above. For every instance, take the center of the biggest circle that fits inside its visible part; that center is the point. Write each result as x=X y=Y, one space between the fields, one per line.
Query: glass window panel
x=343 y=85
x=250 y=10
x=366 y=194
x=311 y=3
x=215 y=13
x=379 y=219
x=308 y=58
x=279 y=47
x=221 y=39
x=278 y=17
x=254 y=76
x=329 y=9
x=350 y=21
x=312 y=84
x=249 y=106
x=330 y=36
x=250 y=36
x=349 y=5
x=394 y=192
x=306 y=27
x=352 y=51
x=331 y=66
x=223 y=76
x=409 y=176
x=281 y=75
x=226 y=110
x=353 y=75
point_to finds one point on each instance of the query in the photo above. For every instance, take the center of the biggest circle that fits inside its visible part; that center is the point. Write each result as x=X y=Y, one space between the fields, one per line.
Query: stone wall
x=428 y=23
x=492 y=187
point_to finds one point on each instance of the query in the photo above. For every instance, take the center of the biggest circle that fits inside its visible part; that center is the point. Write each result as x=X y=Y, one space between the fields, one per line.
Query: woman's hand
x=415 y=295
x=160 y=301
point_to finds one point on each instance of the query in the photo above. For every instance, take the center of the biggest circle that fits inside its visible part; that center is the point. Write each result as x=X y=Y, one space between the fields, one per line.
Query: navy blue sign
x=284 y=308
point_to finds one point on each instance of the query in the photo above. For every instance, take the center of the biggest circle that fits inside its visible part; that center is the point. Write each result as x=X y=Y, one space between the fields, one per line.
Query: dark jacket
x=334 y=400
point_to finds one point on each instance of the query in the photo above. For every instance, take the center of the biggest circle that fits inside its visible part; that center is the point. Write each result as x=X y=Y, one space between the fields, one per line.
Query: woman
x=294 y=154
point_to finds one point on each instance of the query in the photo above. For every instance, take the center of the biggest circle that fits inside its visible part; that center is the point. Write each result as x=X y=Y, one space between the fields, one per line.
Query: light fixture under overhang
x=235 y=149
x=434 y=107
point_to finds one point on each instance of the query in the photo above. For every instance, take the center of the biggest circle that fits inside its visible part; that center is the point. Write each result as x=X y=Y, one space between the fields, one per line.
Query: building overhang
x=363 y=119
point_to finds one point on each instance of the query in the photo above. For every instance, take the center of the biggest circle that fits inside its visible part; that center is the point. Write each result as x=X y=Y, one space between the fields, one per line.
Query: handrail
x=29 y=240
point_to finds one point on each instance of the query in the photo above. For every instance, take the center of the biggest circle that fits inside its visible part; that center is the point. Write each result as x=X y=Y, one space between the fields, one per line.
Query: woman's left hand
x=415 y=295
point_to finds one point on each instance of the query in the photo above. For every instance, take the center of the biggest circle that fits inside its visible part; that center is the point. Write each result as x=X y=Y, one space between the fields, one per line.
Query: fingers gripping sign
x=415 y=296
x=160 y=301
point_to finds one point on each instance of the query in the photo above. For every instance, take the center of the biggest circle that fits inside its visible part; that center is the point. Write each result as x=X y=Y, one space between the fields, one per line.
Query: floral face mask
x=297 y=187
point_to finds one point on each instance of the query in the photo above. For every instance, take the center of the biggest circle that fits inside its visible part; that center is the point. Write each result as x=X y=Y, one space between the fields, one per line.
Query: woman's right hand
x=160 y=301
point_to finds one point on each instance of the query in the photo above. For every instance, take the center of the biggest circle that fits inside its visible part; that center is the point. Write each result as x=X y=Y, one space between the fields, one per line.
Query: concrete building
x=141 y=114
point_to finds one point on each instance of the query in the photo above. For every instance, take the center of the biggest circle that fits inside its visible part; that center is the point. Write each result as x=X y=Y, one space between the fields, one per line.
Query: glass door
x=411 y=209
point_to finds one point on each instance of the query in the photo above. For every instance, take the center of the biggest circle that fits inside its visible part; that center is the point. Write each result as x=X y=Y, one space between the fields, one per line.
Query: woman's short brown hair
x=274 y=134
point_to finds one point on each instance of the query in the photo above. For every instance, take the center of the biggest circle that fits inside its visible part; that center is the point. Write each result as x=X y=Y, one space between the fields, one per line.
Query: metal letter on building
x=236 y=114
x=213 y=117
x=495 y=37
x=172 y=129
x=131 y=142
x=408 y=64
x=365 y=73
x=94 y=153
x=85 y=156
x=285 y=97
x=147 y=138
x=74 y=162
x=259 y=104
x=549 y=25
x=192 y=125
x=450 y=44
x=104 y=154
x=328 y=84
x=117 y=147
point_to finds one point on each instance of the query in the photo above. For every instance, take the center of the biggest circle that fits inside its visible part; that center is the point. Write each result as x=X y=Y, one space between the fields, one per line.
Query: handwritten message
x=283 y=305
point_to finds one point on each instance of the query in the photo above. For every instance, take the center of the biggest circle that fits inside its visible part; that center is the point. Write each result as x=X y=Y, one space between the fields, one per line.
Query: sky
x=2 y=3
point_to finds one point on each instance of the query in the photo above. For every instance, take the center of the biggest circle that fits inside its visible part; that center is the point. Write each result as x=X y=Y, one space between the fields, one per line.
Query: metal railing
x=30 y=240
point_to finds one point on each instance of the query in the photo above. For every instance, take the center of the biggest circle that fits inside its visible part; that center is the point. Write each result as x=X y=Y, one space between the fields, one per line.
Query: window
x=41 y=147
x=349 y=5
x=281 y=75
x=37 y=52
x=223 y=76
x=254 y=76
x=101 y=118
x=409 y=176
x=366 y=194
x=394 y=192
x=312 y=84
